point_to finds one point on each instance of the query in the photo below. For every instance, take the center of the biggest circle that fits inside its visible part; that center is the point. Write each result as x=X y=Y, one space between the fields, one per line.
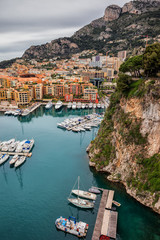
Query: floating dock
x=106 y=222
x=16 y=153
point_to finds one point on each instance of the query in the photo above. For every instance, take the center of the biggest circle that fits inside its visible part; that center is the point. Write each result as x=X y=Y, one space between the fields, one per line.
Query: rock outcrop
x=112 y=12
x=128 y=146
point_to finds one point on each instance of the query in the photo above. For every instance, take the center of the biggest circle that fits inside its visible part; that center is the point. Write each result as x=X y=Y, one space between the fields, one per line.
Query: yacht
x=69 y=106
x=25 y=112
x=74 y=105
x=49 y=105
x=14 y=159
x=102 y=105
x=90 y=105
x=83 y=105
x=28 y=145
x=84 y=194
x=20 y=161
x=58 y=105
x=20 y=146
x=79 y=105
x=98 y=105
x=4 y=158
x=94 y=105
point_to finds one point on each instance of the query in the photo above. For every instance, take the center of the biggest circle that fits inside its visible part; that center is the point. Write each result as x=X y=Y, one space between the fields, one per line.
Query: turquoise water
x=33 y=196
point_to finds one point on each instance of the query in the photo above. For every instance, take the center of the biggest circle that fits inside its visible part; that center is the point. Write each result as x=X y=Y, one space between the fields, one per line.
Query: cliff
x=127 y=146
x=119 y=29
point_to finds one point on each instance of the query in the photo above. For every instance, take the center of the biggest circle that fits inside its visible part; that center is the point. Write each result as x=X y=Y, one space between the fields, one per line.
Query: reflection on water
x=18 y=172
x=61 y=113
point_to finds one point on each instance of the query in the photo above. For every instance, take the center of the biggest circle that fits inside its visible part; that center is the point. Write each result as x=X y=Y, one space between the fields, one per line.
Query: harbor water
x=34 y=195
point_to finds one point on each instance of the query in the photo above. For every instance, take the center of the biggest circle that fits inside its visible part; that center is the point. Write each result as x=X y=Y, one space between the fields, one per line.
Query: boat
x=94 y=105
x=74 y=105
x=27 y=146
x=79 y=105
x=116 y=203
x=25 y=112
x=90 y=105
x=84 y=194
x=19 y=162
x=49 y=105
x=58 y=105
x=70 y=225
x=102 y=105
x=83 y=105
x=4 y=158
x=78 y=202
x=69 y=106
x=14 y=159
x=98 y=105
x=94 y=190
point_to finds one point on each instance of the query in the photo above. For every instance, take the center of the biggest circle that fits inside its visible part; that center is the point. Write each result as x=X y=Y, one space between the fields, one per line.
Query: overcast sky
x=31 y=22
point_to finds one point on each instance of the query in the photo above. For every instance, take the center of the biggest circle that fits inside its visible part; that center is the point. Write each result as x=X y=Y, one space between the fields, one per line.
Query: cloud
x=32 y=22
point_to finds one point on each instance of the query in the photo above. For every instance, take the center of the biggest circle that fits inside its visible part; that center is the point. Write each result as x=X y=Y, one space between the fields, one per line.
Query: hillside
x=127 y=145
x=119 y=29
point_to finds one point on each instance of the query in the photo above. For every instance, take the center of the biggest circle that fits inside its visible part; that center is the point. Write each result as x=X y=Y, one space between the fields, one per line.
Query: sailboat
x=78 y=202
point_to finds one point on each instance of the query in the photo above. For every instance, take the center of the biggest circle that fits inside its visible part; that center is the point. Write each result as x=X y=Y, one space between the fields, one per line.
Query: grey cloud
x=44 y=20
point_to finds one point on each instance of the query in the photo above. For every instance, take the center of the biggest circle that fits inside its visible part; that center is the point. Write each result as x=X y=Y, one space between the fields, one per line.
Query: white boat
x=4 y=158
x=71 y=226
x=94 y=190
x=74 y=105
x=79 y=105
x=49 y=105
x=116 y=203
x=58 y=105
x=14 y=159
x=25 y=112
x=20 y=146
x=102 y=105
x=81 y=203
x=69 y=106
x=27 y=146
x=94 y=105
x=20 y=161
x=98 y=105
x=90 y=105
x=83 y=105
x=84 y=194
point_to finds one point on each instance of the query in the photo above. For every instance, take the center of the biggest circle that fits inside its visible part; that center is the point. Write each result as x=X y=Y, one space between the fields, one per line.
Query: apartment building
x=90 y=94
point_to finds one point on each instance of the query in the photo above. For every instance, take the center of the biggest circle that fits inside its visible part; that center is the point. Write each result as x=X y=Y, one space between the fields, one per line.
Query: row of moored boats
x=74 y=105
x=81 y=124
x=15 y=148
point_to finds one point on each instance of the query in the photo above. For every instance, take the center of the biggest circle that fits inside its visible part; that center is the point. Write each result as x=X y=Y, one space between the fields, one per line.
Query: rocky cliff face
x=115 y=31
x=112 y=12
x=128 y=146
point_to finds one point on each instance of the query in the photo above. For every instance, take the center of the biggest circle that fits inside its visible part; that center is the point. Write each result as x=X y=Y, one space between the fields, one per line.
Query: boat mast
x=78 y=188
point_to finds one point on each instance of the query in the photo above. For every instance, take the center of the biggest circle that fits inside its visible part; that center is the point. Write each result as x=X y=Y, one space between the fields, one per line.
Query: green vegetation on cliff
x=124 y=132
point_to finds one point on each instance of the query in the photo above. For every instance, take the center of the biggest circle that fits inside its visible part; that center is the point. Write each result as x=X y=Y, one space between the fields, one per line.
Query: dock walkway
x=16 y=153
x=106 y=222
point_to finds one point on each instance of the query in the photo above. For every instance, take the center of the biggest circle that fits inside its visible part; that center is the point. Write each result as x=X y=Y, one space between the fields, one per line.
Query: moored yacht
x=25 y=112
x=49 y=105
x=74 y=105
x=84 y=194
x=83 y=105
x=98 y=105
x=4 y=158
x=94 y=105
x=14 y=159
x=69 y=106
x=20 y=161
x=58 y=105
x=90 y=105
x=79 y=105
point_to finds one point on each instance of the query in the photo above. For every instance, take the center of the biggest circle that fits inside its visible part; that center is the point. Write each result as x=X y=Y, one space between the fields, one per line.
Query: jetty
x=16 y=153
x=106 y=222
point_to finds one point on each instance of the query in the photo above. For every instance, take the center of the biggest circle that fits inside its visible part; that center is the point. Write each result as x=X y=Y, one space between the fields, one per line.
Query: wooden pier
x=106 y=222
x=16 y=153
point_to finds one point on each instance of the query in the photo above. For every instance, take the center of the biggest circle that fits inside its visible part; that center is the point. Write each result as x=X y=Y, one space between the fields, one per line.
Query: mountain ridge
x=119 y=29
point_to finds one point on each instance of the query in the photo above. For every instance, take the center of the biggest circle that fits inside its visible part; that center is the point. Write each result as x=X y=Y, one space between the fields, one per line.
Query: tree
x=132 y=65
x=123 y=83
x=151 y=59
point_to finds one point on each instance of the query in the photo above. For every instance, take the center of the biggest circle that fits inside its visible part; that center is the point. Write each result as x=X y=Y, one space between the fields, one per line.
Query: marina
x=35 y=195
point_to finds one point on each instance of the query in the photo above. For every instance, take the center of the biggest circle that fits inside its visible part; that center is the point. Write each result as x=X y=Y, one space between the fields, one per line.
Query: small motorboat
x=94 y=190
x=116 y=203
